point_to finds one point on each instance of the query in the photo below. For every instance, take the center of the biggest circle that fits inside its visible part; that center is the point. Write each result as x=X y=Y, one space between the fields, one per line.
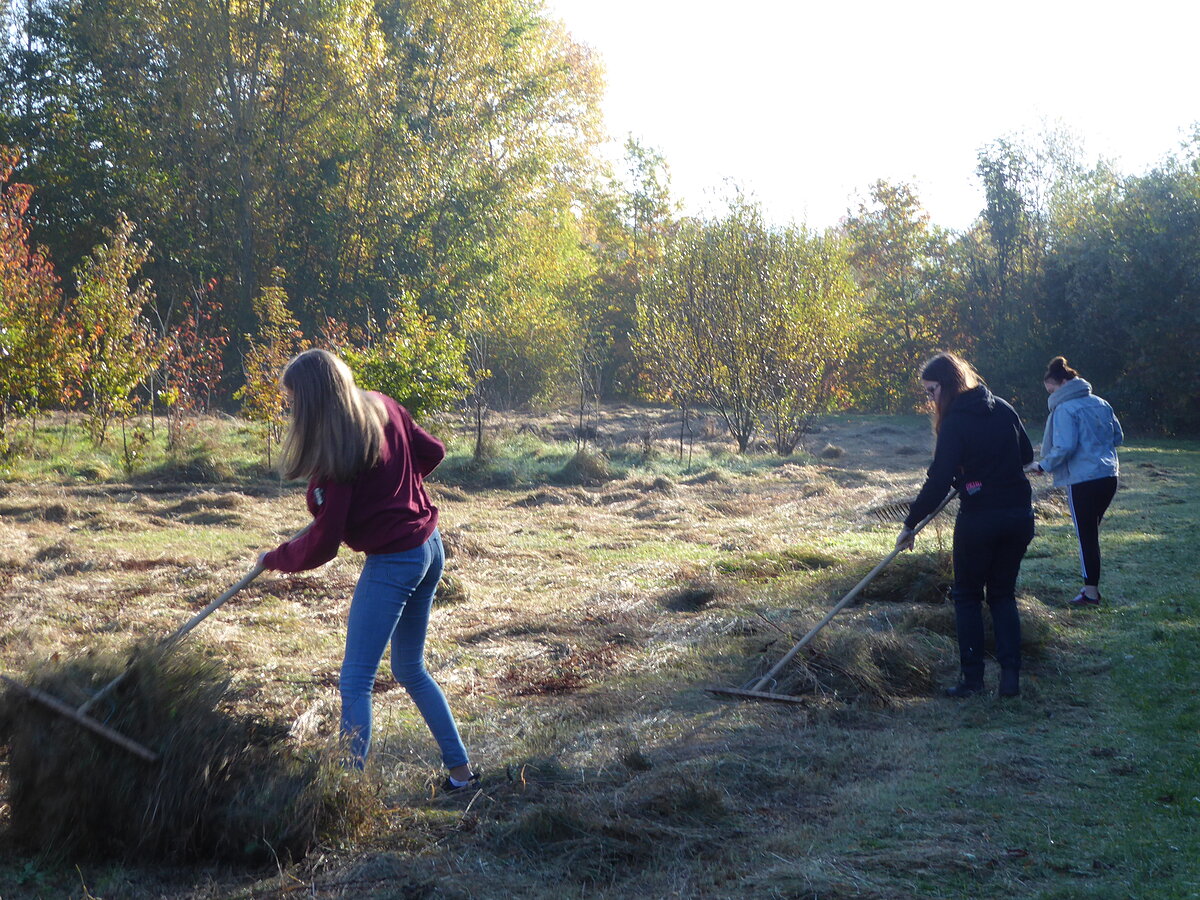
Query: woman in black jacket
x=981 y=450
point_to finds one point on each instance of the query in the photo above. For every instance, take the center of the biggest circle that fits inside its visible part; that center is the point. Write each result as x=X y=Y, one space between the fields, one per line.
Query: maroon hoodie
x=384 y=510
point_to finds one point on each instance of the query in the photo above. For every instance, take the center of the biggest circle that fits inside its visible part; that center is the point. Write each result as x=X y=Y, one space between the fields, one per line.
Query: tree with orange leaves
x=33 y=336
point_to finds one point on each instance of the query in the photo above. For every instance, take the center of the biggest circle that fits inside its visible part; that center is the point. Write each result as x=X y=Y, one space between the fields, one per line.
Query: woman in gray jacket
x=1079 y=449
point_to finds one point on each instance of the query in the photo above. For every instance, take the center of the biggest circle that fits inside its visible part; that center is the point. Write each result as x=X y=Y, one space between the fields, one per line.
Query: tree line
x=195 y=189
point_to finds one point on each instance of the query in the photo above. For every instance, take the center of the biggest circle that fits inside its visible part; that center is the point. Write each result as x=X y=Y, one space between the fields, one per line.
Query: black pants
x=988 y=548
x=1089 y=502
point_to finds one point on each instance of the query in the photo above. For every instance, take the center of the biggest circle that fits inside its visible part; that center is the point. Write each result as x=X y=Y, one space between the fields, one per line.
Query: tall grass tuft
x=586 y=467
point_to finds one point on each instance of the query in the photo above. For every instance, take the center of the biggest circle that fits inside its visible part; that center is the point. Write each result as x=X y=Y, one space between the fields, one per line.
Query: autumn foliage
x=33 y=336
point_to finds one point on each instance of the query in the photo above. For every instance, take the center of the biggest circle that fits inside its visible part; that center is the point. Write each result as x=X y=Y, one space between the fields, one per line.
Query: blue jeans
x=989 y=545
x=391 y=602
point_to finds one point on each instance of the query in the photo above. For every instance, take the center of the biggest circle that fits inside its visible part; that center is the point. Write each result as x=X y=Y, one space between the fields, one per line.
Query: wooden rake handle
x=172 y=639
x=88 y=722
x=846 y=600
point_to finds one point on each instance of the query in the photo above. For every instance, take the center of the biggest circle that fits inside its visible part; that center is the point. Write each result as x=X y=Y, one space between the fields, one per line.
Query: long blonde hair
x=336 y=429
x=955 y=375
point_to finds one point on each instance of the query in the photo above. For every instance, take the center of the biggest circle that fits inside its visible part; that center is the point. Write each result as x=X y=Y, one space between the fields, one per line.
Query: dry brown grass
x=592 y=613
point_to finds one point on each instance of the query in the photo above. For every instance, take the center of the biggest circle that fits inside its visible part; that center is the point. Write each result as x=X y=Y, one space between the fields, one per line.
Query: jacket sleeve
x=1026 y=444
x=320 y=543
x=427 y=451
x=947 y=456
x=1065 y=436
x=1118 y=434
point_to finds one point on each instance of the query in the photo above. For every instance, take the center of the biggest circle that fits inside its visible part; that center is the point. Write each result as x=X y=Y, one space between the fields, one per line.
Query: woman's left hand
x=906 y=539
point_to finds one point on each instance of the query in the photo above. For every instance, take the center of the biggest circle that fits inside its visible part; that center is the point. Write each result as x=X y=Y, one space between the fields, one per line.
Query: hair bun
x=1058 y=370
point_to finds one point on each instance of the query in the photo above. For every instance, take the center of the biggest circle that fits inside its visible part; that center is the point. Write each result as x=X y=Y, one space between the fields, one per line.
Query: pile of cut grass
x=847 y=664
x=226 y=787
x=912 y=578
x=586 y=467
x=1037 y=624
x=851 y=663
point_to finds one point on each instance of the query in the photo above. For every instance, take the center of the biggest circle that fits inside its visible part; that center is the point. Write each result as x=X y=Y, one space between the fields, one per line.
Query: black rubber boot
x=965 y=689
x=1010 y=682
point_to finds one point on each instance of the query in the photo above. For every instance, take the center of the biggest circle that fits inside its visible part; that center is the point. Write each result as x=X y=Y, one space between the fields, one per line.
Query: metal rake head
x=896 y=511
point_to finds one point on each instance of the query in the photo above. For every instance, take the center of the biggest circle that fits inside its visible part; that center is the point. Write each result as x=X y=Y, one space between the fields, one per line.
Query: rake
x=755 y=688
x=80 y=714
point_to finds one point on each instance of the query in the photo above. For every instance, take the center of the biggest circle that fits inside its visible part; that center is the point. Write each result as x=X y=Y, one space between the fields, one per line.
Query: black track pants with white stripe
x=1089 y=501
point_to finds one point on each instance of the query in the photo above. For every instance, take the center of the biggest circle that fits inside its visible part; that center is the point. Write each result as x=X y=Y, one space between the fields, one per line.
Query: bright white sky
x=805 y=103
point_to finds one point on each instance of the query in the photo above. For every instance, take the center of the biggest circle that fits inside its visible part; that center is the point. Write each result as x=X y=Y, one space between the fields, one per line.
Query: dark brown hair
x=955 y=375
x=1059 y=371
x=336 y=430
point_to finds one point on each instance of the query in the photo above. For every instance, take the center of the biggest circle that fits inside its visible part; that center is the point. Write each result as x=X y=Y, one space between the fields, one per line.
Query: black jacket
x=982 y=449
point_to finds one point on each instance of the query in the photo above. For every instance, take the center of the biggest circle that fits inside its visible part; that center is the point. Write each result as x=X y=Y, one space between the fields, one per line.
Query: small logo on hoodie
x=319 y=496
x=973 y=487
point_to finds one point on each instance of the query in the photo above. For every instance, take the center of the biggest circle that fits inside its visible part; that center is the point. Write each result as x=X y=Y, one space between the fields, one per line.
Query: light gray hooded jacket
x=1082 y=435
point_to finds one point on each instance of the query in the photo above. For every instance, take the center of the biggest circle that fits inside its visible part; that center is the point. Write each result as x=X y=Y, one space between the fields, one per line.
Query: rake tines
x=895 y=511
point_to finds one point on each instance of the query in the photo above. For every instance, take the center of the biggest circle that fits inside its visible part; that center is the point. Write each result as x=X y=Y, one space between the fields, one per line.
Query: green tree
x=119 y=348
x=278 y=339
x=812 y=320
x=900 y=262
x=193 y=365
x=370 y=148
x=1123 y=291
x=627 y=219
x=750 y=319
x=1025 y=181
x=415 y=359
x=521 y=323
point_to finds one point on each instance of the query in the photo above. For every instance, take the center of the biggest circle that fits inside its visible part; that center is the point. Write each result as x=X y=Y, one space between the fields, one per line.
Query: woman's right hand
x=1034 y=468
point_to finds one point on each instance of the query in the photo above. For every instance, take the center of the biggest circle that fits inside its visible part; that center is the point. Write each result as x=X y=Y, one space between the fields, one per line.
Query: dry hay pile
x=452 y=589
x=856 y=660
x=1037 y=624
x=554 y=497
x=873 y=666
x=586 y=467
x=708 y=476
x=225 y=786
x=1051 y=503
x=913 y=578
x=852 y=663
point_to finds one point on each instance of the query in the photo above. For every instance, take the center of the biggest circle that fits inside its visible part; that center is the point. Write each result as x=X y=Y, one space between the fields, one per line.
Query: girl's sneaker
x=449 y=787
x=1082 y=599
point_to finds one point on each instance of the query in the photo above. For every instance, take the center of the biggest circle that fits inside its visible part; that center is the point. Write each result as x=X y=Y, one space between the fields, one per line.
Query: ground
x=586 y=614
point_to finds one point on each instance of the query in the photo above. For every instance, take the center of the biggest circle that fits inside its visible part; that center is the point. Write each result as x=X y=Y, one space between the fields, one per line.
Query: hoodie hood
x=978 y=401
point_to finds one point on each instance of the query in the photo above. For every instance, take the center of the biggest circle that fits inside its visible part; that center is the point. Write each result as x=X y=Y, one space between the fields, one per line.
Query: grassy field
x=594 y=599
